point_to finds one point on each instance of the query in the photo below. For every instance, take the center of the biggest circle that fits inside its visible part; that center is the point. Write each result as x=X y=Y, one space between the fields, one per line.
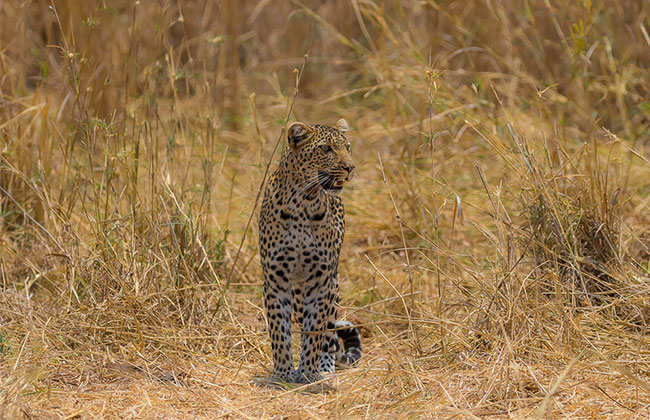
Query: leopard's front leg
x=315 y=310
x=277 y=300
x=330 y=339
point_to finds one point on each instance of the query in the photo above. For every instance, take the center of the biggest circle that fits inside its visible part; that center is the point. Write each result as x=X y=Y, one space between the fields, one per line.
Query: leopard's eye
x=326 y=148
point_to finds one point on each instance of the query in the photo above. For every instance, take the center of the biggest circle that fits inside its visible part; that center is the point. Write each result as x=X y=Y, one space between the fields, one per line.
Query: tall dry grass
x=497 y=249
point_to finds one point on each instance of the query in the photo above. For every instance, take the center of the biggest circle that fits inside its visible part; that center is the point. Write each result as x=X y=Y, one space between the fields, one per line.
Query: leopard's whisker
x=308 y=185
x=315 y=180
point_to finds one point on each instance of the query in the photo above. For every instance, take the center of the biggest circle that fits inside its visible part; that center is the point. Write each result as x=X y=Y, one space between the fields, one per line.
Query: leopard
x=301 y=229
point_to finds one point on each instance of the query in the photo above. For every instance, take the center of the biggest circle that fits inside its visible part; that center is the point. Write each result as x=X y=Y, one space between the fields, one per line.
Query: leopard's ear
x=342 y=125
x=297 y=133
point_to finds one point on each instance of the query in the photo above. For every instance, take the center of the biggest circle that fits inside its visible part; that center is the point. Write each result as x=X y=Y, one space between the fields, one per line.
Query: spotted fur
x=301 y=229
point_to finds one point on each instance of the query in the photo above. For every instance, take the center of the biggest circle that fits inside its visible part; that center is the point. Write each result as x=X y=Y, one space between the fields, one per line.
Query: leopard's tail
x=351 y=338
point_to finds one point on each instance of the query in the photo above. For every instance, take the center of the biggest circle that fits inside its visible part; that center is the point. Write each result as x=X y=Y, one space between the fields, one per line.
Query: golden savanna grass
x=498 y=240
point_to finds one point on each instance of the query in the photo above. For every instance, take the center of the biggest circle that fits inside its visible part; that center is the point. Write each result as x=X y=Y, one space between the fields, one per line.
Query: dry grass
x=497 y=253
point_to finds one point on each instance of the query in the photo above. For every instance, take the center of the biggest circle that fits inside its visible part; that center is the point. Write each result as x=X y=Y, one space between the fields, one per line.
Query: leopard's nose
x=349 y=168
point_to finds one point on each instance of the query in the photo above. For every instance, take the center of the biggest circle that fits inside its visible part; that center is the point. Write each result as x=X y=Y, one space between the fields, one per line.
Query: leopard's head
x=322 y=154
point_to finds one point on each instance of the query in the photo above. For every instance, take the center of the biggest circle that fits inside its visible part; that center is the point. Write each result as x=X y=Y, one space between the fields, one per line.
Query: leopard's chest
x=301 y=235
